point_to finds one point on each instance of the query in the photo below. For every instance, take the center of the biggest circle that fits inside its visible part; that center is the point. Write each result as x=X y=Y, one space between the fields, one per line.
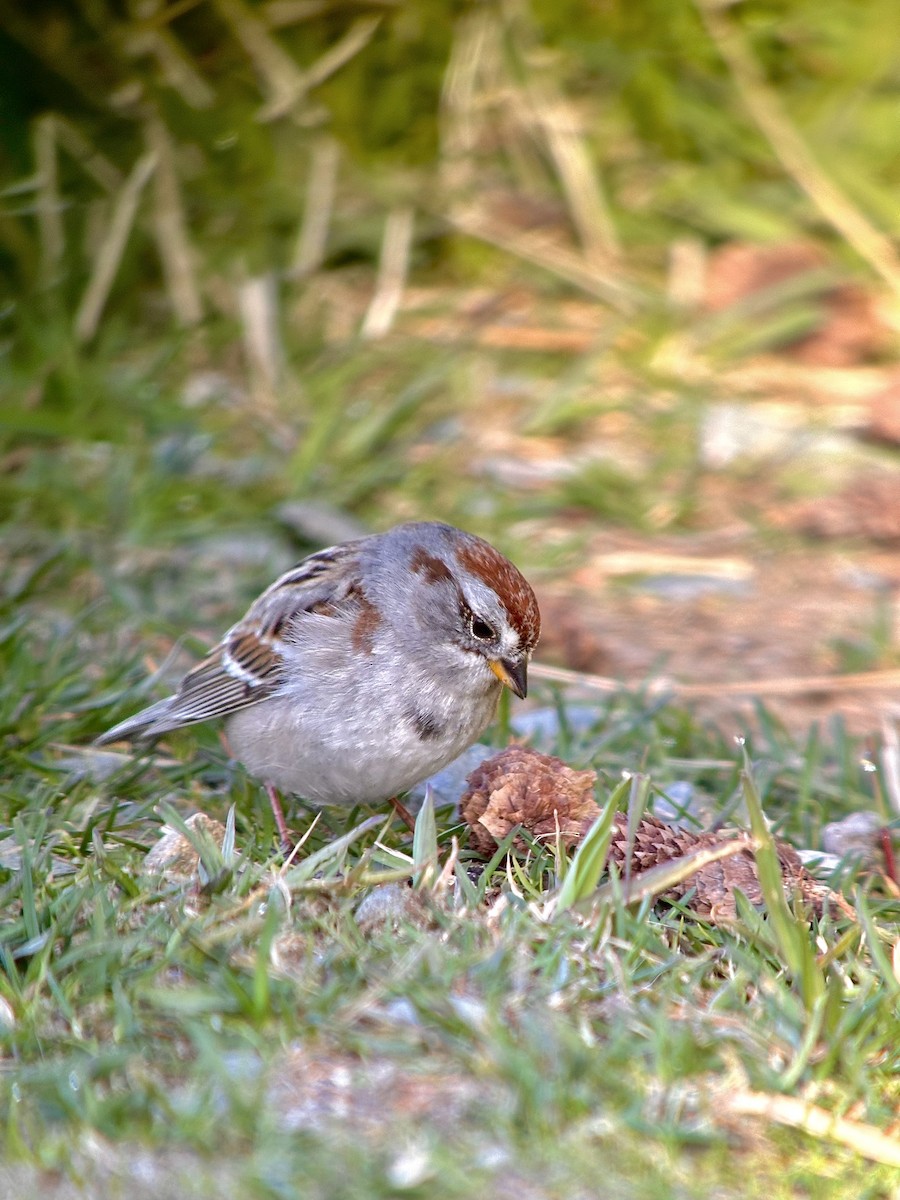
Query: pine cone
x=714 y=884
x=520 y=786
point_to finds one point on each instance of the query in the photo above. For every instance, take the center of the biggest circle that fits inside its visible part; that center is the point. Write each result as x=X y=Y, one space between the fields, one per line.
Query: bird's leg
x=890 y=860
x=284 y=834
x=403 y=813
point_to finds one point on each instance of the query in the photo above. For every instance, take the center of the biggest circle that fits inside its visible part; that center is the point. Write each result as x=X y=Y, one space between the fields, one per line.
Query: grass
x=236 y=1033
x=233 y=1034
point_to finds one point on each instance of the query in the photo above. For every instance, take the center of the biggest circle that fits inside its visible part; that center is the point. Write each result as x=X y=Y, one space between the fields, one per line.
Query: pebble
x=857 y=835
x=387 y=904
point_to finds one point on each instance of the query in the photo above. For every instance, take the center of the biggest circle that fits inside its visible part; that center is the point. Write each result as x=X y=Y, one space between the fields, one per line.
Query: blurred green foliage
x=449 y=108
x=658 y=109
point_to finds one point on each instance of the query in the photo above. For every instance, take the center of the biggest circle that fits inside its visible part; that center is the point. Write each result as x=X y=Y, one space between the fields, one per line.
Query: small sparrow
x=365 y=668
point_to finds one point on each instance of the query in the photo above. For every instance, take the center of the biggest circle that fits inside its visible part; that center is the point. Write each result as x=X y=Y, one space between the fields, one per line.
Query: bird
x=363 y=669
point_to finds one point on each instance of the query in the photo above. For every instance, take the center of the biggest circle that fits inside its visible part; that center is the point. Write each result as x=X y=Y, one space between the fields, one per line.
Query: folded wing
x=248 y=664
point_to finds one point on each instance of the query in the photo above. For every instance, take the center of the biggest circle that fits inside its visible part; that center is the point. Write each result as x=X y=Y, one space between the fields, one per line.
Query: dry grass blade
x=862 y=1139
x=110 y=253
x=577 y=175
x=170 y=228
x=151 y=35
x=330 y=856
x=538 y=249
x=459 y=124
x=392 y=271
x=686 y=280
x=355 y=39
x=658 y=880
x=285 y=83
x=793 y=153
x=317 y=210
x=281 y=13
x=258 y=306
x=48 y=206
x=92 y=161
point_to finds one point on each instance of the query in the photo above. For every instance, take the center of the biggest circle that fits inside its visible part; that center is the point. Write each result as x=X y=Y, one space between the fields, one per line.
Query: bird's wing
x=248 y=664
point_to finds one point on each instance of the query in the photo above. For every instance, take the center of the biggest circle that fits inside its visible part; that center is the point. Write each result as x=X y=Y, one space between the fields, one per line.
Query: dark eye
x=481 y=630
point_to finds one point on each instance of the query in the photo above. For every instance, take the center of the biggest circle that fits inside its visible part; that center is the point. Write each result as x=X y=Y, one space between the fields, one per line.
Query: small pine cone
x=714 y=884
x=520 y=786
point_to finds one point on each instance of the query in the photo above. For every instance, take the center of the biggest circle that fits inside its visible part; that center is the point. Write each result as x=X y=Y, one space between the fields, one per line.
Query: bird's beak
x=513 y=675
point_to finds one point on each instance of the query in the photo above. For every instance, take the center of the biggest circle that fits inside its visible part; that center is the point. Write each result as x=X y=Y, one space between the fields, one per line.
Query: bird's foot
x=285 y=837
x=403 y=813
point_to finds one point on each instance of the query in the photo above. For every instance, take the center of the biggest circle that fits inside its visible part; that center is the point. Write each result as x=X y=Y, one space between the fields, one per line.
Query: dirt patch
x=719 y=611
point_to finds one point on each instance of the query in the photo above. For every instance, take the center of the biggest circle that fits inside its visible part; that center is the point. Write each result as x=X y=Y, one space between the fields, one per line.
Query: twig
x=393 y=266
x=789 y=686
x=110 y=253
x=863 y=1139
x=644 y=562
x=793 y=153
x=504 y=337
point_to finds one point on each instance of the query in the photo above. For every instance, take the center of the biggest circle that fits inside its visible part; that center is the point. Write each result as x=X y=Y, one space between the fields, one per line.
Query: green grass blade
x=425 y=843
x=587 y=865
x=331 y=855
x=791 y=933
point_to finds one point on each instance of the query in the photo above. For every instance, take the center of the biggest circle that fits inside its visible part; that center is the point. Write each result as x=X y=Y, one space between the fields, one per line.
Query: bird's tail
x=143 y=726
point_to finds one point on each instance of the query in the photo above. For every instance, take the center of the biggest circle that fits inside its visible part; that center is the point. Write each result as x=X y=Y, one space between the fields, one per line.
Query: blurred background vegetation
x=371 y=252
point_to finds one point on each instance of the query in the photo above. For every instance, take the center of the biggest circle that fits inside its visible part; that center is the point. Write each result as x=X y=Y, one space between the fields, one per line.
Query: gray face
x=486 y=627
x=458 y=596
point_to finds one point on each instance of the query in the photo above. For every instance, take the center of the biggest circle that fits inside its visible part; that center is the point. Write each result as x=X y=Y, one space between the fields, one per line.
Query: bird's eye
x=482 y=631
